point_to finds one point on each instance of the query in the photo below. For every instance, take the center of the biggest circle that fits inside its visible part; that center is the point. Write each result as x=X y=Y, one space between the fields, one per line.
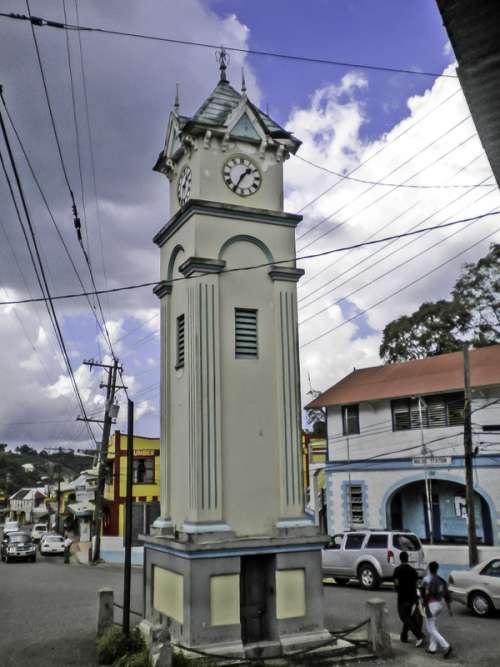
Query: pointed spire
x=222 y=57
x=176 y=101
x=243 y=83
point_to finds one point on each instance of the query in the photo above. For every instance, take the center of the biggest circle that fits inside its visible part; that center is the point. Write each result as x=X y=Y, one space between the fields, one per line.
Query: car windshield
x=406 y=542
x=54 y=538
x=19 y=537
x=40 y=526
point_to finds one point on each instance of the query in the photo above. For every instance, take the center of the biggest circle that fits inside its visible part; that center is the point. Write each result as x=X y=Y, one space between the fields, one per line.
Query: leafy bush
x=135 y=660
x=113 y=644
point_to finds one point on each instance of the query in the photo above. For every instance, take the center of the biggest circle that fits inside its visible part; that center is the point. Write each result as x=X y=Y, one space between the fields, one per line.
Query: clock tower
x=233 y=564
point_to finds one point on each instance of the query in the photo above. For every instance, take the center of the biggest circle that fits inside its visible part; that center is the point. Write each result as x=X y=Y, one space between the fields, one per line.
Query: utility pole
x=428 y=492
x=109 y=414
x=128 y=519
x=468 y=459
x=58 y=517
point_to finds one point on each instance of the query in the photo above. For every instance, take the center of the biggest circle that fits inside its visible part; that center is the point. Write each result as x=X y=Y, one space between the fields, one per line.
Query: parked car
x=52 y=544
x=17 y=544
x=371 y=556
x=38 y=531
x=478 y=588
x=10 y=527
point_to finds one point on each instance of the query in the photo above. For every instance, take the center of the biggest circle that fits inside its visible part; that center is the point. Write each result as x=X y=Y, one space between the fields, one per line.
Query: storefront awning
x=82 y=509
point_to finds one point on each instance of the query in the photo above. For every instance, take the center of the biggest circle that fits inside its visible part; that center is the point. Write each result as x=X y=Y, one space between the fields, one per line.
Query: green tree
x=472 y=315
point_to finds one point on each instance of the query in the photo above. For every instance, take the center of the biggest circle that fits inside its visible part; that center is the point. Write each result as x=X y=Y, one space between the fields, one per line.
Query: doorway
x=257 y=598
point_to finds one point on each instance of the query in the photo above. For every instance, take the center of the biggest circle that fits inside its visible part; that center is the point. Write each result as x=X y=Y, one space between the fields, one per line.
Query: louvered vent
x=246 y=333
x=180 y=342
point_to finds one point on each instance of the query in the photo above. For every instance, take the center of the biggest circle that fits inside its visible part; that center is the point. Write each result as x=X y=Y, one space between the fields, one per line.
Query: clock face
x=184 y=186
x=241 y=176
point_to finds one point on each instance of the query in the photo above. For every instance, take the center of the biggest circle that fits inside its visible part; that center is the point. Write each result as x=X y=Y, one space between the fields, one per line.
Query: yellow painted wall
x=225 y=599
x=290 y=593
x=141 y=447
x=168 y=593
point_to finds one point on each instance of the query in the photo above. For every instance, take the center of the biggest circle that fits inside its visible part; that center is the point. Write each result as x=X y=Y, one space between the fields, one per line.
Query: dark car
x=18 y=545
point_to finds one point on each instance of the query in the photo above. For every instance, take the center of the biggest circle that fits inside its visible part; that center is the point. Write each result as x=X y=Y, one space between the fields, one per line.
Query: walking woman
x=435 y=593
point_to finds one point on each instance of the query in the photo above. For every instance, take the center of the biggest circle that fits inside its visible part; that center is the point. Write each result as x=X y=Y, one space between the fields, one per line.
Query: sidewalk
x=407 y=655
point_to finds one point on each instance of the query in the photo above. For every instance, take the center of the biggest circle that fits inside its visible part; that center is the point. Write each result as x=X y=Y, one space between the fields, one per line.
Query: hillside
x=45 y=464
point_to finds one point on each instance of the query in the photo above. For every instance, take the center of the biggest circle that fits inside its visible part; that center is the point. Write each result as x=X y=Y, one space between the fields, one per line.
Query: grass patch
x=114 y=648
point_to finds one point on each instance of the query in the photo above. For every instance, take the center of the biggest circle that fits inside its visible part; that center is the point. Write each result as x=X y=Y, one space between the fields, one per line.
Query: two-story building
x=145 y=493
x=395 y=447
x=27 y=505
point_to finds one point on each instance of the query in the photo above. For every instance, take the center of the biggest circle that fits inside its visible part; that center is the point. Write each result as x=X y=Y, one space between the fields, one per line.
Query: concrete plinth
x=242 y=597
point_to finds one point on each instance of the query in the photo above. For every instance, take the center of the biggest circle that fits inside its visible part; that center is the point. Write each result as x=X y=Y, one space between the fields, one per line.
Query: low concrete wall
x=112 y=551
x=456 y=557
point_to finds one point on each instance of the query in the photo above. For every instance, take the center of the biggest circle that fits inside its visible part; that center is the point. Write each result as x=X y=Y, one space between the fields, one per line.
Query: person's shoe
x=404 y=639
x=431 y=652
x=419 y=643
x=447 y=652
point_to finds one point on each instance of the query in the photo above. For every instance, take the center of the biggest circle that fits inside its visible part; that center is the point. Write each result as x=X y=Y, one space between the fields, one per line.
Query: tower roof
x=220 y=104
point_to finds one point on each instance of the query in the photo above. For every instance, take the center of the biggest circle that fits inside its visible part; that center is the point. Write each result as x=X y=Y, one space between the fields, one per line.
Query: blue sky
x=393 y=33
x=343 y=115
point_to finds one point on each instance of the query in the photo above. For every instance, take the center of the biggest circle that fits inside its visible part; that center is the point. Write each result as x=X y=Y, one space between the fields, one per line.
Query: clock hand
x=245 y=173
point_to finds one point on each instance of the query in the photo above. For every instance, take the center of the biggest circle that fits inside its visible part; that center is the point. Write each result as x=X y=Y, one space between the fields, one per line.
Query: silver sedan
x=478 y=588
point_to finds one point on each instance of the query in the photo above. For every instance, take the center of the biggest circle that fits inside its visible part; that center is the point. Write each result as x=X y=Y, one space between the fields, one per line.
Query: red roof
x=431 y=375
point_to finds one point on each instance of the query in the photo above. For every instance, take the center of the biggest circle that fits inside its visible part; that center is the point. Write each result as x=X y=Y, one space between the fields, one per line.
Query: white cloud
x=330 y=129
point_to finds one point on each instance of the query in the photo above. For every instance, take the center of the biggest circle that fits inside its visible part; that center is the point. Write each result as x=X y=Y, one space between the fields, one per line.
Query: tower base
x=252 y=597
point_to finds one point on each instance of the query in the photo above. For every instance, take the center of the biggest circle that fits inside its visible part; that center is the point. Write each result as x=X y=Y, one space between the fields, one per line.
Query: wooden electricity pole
x=468 y=459
x=111 y=387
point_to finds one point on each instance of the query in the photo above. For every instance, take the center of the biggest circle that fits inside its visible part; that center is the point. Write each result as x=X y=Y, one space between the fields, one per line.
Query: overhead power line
x=38 y=265
x=125 y=288
x=372 y=281
x=349 y=276
x=76 y=218
x=382 y=248
x=398 y=291
x=387 y=143
x=390 y=185
x=43 y=22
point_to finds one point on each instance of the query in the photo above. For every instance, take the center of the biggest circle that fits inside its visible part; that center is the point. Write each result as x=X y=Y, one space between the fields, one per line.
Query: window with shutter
x=356 y=509
x=245 y=326
x=436 y=411
x=180 y=342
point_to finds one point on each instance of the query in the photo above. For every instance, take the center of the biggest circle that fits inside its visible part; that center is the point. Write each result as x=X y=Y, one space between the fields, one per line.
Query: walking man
x=405 y=583
x=435 y=592
x=67 y=546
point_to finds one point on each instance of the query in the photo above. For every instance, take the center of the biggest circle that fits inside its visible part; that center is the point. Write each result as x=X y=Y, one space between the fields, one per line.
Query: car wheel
x=33 y=559
x=341 y=581
x=7 y=559
x=480 y=604
x=368 y=578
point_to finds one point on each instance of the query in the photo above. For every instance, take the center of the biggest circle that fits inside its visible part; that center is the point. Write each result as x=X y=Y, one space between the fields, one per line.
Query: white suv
x=371 y=556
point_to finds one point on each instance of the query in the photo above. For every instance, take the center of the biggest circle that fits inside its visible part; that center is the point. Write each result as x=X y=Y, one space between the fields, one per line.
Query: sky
x=394 y=128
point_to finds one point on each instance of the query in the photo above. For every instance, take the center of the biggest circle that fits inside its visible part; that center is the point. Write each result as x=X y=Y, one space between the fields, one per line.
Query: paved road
x=48 y=611
x=474 y=640
x=48 y=615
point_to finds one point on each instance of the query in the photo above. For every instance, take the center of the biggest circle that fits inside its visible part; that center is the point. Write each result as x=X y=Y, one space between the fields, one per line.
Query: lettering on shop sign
x=431 y=460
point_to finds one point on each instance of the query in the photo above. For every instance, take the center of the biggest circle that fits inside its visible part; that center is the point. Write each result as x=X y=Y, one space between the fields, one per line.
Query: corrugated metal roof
x=432 y=375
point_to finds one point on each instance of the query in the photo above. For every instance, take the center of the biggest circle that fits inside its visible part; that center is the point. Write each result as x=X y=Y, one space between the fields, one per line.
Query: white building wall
x=378 y=465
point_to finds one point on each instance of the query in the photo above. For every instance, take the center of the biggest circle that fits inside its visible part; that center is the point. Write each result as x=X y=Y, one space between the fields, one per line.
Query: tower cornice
x=223 y=210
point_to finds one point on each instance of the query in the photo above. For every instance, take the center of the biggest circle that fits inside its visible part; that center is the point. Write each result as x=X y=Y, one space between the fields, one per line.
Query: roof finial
x=243 y=84
x=176 y=101
x=222 y=57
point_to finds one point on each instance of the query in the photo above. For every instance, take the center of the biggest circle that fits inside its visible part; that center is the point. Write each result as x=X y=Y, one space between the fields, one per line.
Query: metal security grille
x=180 y=342
x=246 y=345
